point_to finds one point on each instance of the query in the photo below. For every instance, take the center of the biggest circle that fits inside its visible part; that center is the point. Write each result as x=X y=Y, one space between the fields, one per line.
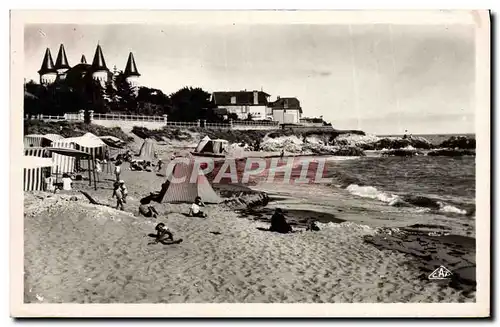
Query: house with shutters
x=286 y=110
x=243 y=103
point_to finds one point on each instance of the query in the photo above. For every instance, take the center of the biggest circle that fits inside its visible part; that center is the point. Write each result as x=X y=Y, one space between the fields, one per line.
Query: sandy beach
x=76 y=252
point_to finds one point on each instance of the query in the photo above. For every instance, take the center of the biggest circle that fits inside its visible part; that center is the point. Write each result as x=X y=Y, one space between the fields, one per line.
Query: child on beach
x=195 y=208
x=163 y=233
x=118 y=170
x=147 y=210
x=124 y=190
x=49 y=183
x=66 y=181
x=119 y=196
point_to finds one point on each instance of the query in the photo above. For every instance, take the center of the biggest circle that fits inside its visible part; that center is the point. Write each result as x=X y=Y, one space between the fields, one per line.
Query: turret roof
x=47 y=64
x=131 y=68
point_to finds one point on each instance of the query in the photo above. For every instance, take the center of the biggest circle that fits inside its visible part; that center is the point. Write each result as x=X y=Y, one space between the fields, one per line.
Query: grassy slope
x=72 y=129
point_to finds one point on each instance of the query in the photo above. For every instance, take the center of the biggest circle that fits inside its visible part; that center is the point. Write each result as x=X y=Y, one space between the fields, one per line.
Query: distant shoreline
x=423 y=135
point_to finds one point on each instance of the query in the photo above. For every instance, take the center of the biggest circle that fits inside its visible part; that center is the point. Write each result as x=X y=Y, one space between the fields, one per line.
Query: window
x=233 y=100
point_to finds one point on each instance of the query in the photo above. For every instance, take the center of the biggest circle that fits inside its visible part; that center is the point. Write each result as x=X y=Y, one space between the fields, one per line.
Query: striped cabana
x=63 y=163
x=38 y=140
x=33 y=140
x=91 y=144
x=77 y=156
x=37 y=152
x=34 y=172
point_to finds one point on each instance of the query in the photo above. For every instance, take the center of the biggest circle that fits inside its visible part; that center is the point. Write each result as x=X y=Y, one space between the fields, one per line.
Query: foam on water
x=424 y=204
x=371 y=192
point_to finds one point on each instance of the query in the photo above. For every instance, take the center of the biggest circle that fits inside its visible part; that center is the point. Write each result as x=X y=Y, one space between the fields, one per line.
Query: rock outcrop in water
x=451 y=152
x=459 y=142
x=405 y=152
x=313 y=144
x=371 y=142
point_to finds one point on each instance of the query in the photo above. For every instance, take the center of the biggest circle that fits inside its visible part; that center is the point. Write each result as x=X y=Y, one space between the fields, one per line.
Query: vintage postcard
x=250 y=163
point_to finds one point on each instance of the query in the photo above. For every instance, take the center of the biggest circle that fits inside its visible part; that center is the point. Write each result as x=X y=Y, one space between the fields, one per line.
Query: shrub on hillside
x=162 y=134
x=72 y=129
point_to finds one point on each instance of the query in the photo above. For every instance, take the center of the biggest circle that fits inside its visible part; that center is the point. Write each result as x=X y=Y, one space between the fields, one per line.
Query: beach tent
x=37 y=152
x=187 y=191
x=63 y=163
x=147 y=151
x=76 y=156
x=203 y=142
x=53 y=137
x=113 y=141
x=91 y=144
x=34 y=172
x=208 y=146
x=88 y=143
x=38 y=140
x=33 y=140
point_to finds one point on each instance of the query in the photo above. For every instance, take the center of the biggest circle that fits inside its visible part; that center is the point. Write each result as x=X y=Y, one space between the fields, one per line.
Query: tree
x=127 y=100
x=190 y=104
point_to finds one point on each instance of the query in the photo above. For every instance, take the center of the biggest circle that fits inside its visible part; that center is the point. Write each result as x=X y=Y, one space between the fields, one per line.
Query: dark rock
x=451 y=152
x=456 y=253
x=459 y=142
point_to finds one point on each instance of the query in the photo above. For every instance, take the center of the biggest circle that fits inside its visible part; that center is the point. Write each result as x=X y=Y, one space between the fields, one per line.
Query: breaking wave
x=427 y=203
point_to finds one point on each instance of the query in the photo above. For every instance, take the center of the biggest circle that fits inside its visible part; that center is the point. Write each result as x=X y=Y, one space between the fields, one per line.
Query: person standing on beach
x=49 y=183
x=124 y=190
x=98 y=168
x=119 y=196
x=160 y=163
x=282 y=153
x=118 y=170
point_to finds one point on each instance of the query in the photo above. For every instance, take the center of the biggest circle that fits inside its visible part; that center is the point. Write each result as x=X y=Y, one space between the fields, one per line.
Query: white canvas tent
x=210 y=147
x=187 y=191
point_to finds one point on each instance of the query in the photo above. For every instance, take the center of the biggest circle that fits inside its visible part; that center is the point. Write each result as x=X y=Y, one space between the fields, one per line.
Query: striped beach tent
x=187 y=191
x=34 y=172
x=37 y=152
x=147 y=151
x=63 y=164
x=92 y=145
x=38 y=140
x=53 y=137
x=33 y=140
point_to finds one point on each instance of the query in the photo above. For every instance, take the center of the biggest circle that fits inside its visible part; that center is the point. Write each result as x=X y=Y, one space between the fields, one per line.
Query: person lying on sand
x=119 y=196
x=279 y=223
x=147 y=210
x=195 y=208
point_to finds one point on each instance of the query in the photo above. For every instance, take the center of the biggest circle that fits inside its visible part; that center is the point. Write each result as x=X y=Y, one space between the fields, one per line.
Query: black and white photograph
x=251 y=158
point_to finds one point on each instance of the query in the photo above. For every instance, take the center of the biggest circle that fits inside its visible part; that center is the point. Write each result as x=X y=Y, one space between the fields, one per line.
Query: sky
x=379 y=78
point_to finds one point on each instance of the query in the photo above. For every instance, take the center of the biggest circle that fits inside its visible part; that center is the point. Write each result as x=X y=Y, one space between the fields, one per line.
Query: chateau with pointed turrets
x=98 y=71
